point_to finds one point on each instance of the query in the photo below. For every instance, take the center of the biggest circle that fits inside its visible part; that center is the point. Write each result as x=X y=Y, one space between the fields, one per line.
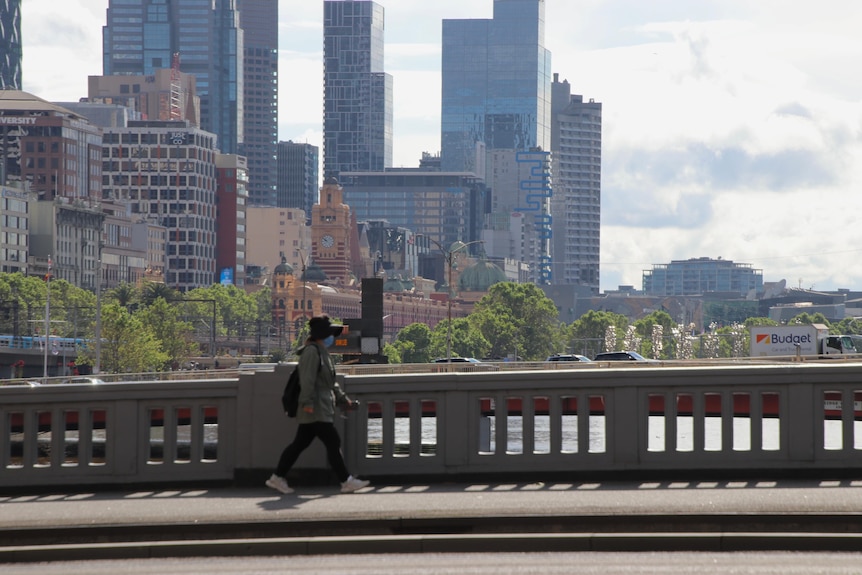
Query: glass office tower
x=142 y=36
x=298 y=180
x=357 y=117
x=496 y=85
x=259 y=20
x=10 y=44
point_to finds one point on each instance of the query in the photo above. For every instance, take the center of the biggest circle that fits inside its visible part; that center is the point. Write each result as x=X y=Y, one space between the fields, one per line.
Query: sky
x=731 y=129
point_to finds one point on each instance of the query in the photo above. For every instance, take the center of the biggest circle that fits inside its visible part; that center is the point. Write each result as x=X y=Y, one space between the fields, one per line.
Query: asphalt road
x=473 y=564
x=721 y=518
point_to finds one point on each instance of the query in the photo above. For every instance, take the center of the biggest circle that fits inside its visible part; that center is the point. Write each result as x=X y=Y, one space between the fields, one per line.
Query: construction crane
x=176 y=93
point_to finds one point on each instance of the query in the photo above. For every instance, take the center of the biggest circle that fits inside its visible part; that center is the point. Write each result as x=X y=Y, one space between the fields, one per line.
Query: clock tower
x=330 y=233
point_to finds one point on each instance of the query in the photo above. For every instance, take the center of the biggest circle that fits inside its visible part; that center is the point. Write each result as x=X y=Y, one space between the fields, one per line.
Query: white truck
x=791 y=340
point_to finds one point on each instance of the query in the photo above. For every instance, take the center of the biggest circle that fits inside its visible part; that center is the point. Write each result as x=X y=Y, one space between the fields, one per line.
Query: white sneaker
x=352 y=484
x=278 y=483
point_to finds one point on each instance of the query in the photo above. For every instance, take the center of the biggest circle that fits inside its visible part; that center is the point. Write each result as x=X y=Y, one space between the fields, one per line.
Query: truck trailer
x=803 y=340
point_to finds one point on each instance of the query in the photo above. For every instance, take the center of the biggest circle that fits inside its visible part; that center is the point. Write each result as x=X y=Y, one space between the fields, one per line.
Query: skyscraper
x=259 y=21
x=357 y=117
x=576 y=203
x=142 y=36
x=496 y=123
x=10 y=44
x=496 y=85
x=298 y=176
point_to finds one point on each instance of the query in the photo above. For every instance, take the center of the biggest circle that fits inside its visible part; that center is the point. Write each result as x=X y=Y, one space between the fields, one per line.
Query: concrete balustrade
x=437 y=425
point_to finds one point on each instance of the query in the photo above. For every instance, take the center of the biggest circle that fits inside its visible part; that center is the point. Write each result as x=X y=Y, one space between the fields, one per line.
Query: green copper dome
x=393 y=284
x=283 y=268
x=480 y=276
x=314 y=273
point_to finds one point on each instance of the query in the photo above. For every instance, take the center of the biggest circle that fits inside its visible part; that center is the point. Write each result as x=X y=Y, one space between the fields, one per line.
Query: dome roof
x=393 y=284
x=481 y=276
x=283 y=268
x=314 y=273
x=456 y=246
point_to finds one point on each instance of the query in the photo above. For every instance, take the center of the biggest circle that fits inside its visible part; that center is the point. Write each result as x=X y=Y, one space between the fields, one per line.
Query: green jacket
x=318 y=386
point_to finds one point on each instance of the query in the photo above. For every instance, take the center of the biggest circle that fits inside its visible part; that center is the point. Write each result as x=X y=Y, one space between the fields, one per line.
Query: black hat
x=321 y=328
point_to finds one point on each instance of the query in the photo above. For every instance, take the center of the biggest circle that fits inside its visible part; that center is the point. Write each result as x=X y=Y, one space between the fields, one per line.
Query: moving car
x=467 y=364
x=89 y=380
x=620 y=356
x=567 y=357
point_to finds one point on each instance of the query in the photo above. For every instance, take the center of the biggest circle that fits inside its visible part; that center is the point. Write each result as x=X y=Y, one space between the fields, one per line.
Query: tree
x=124 y=294
x=644 y=327
x=155 y=290
x=392 y=352
x=806 y=318
x=586 y=335
x=467 y=340
x=517 y=318
x=413 y=343
x=175 y=335
x=128 y=345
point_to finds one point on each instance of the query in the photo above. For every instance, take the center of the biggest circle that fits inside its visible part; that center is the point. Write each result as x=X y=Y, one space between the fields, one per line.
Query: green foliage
x=586 y=335
x=413 y=344
x=644 y=328
x=393 y=352
x=759 y=321
x=518 y=320
x=847 y=326
x=128 y=345
x=155 y=290
x=807 y=319
x=277 y=355
x=175 y=335
x=466 y=341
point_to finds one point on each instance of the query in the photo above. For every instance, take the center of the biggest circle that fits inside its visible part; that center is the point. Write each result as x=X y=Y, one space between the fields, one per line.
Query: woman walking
x=319 y=394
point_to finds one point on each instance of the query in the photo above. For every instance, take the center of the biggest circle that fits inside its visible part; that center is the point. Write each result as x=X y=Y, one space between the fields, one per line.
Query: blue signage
x=226 y=276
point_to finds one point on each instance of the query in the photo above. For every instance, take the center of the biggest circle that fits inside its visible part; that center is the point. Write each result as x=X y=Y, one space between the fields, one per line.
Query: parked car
x=457 y=360
x=620 y=356
x=567 y=357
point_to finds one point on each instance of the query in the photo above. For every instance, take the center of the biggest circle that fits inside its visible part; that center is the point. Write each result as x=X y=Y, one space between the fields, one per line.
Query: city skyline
x=731 y=129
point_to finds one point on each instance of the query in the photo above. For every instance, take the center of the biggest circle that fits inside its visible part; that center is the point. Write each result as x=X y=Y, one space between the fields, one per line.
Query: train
x=38 y=342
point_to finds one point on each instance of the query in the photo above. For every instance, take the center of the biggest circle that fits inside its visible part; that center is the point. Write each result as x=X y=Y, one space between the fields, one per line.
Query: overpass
x=589 y=420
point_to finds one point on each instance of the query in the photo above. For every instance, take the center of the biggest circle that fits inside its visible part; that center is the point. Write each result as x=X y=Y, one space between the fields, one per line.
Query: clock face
x=327 y=241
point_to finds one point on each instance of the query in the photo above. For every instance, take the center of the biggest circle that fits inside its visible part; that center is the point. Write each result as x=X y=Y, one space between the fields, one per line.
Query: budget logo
x=762 y=337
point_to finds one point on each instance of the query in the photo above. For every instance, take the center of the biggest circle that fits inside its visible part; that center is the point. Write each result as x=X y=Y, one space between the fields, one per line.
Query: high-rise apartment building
x=166 y=171
x=10 y=45
x=259 y=22
x=496 y=85
x=142 y=36
x=231 y=225
x=357 y=116
x=576 y=203
x=297 y=176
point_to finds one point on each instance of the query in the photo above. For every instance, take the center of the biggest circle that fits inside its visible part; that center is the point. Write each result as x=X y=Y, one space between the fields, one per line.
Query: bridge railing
x=780 y=418
x=771 y=417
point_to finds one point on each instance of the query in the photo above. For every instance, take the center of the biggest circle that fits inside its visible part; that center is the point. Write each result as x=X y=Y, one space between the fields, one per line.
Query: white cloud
x=731 y=128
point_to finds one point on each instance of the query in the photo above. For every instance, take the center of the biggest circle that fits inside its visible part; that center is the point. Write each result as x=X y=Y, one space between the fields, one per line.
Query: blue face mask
x=329 y=341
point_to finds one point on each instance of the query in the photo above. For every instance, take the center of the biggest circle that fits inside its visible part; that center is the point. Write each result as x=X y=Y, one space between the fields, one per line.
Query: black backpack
x=290 y=396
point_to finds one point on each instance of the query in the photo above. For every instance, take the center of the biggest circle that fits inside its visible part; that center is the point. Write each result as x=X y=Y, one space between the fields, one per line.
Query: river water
x=657 y=442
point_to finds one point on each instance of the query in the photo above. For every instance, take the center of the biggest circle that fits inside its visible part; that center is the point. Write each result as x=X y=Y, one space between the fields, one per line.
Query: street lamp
x=450 y=260
x=97 y=366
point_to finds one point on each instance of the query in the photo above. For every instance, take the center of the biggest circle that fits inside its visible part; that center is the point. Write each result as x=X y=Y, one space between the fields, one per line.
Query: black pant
x=305 y=434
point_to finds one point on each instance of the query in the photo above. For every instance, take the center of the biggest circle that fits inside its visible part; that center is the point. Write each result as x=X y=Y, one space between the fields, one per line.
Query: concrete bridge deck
x=230 y=521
